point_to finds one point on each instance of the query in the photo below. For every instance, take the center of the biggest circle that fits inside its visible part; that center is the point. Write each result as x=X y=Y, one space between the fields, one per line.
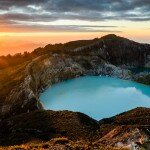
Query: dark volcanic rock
x=110 y=55
x=124 y=129
x=126 y=52
x=45 y=125
x=19 y=93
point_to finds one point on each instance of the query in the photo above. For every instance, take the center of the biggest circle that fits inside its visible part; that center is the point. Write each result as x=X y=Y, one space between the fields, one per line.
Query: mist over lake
x=98 y=97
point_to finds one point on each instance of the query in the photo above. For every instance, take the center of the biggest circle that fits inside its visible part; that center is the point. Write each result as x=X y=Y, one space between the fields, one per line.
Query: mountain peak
x=110 y=36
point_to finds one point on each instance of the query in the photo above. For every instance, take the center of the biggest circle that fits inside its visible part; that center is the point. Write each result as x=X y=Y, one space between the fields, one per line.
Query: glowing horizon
x=26 y=25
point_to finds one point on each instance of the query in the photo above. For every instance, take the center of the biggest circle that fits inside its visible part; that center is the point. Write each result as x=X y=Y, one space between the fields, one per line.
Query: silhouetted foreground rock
x=42 y=126
x=45 y=125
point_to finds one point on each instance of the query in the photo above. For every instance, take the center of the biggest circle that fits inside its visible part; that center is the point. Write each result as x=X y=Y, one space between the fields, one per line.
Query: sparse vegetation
x=145 y=79
x=46 y=128
x=60 y=144
x=67 y=130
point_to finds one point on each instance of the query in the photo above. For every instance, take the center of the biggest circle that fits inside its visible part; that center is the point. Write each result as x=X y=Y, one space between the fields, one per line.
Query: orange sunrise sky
x=26 y=25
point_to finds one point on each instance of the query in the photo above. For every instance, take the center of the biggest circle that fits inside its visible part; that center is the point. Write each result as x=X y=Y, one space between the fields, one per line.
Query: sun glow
x=34 y=25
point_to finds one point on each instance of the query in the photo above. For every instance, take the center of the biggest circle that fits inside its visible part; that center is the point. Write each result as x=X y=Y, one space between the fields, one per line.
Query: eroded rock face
x=47 y=70
x=110 y=55
x=129 y=130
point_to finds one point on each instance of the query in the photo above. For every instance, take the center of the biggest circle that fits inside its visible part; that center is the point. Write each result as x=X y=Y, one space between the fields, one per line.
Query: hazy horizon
x=26 y=25
x=29 y=46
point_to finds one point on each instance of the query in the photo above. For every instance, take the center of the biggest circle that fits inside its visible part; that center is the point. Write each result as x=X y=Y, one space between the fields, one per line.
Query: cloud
x=15 y=11
x=78 y=28
x=78 y=5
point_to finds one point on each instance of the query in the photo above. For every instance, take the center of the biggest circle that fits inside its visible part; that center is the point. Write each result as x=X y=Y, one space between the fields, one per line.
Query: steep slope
x=126 y=128
x=110 y=55
x=42 y=126
x=45 y=125
x=126 y=52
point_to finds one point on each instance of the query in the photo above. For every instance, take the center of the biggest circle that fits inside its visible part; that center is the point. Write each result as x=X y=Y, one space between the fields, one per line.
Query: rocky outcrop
x=110 y=55
x=23 y=118
x=126 y=129
x=126 y=52
x=143 y=77
x=44 y=126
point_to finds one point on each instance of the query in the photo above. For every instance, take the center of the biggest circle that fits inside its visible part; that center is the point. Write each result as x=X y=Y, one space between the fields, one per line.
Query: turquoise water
x=98 y=97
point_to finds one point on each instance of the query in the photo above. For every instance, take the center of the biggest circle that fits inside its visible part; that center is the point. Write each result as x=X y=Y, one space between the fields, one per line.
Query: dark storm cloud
x=90 y=10
x=7 y=4
x=77 y=5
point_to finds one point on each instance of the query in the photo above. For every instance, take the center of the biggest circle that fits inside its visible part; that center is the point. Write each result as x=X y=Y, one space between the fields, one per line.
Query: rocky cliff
x=110 y=55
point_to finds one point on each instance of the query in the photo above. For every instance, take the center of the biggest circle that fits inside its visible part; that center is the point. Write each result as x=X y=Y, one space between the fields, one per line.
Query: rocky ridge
x=111 y=56
x=120 y=131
